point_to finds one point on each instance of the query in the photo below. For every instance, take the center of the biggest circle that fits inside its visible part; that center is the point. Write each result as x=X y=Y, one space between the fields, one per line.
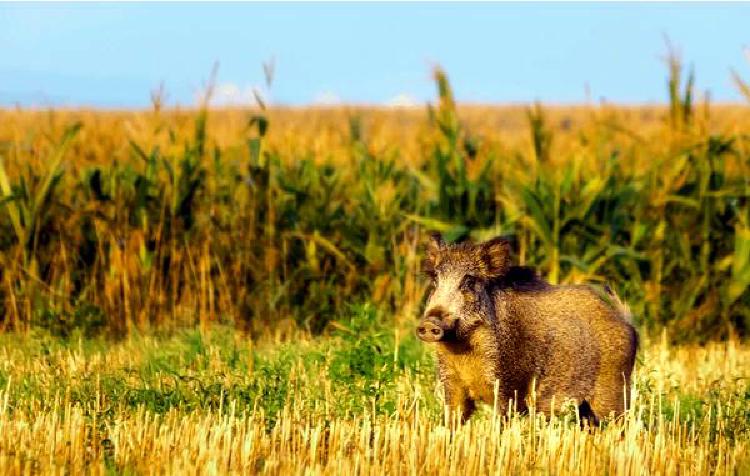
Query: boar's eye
x=468 y=282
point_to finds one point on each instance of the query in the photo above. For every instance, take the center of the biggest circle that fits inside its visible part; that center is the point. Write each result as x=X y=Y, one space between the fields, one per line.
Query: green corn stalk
x=742 y=86
x=26 y=210
x=13 y=211
x=541 y=135
x=462 y=204
x=680 y=102
x=740 y=263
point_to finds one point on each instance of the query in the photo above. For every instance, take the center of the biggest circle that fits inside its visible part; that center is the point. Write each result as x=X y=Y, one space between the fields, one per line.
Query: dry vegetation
x=216 y=404
x=288 y=243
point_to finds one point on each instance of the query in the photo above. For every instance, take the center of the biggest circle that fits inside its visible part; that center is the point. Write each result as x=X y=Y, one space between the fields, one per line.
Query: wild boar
x=500 y=328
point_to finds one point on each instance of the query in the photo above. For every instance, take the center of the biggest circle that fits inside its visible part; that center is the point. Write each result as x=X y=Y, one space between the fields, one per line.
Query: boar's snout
x=437 y=324
x=429 y=331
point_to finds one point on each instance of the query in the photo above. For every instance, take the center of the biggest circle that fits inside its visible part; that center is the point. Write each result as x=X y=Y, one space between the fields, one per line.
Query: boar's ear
x=495 y=257
x=434 y=245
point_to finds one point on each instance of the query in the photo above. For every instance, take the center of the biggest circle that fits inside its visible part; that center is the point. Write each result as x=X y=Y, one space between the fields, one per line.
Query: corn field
x=112 y=222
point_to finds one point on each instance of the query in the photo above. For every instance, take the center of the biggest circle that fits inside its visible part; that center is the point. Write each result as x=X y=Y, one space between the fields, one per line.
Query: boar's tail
x=624 y=310
x=617 y=303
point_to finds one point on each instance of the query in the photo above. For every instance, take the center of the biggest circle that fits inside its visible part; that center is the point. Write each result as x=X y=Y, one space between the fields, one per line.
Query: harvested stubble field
x=217 y=404
x=206 y=291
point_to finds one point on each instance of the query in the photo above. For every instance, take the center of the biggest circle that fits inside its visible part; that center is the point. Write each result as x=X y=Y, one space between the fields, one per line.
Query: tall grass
x=164 y=219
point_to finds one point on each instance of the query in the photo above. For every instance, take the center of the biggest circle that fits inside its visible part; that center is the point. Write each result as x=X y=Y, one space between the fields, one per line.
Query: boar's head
x=461 y=298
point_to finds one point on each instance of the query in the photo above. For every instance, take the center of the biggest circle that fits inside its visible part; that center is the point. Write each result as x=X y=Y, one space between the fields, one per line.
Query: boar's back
x=523 y=278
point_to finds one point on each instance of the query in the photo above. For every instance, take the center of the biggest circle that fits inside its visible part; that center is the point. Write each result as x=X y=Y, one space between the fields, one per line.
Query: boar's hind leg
x=609 y=395
x=612 y=388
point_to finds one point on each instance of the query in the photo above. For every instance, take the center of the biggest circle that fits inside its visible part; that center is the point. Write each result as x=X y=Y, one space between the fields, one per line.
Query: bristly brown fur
x=504 y=325
x=522 y=278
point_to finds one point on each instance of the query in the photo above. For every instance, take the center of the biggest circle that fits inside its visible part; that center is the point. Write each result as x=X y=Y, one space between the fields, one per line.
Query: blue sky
x=113 y=55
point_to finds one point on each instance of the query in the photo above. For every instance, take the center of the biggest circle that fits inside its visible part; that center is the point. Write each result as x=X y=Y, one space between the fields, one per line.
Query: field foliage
x=112 y=222
x=234 y=291
x=360 y=401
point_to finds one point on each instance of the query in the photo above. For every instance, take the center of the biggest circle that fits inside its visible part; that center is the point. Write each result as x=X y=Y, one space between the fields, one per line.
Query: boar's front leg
x=458 y=401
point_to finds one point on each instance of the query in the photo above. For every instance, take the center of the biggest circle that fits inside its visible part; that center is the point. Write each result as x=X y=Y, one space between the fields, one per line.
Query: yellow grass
x=57 y=434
